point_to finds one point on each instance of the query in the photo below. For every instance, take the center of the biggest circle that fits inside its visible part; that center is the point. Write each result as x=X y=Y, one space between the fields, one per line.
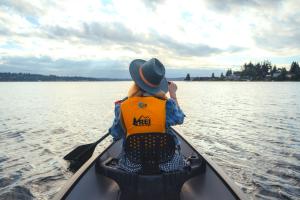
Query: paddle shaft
x=81 y=154
x=84 y=150
x=102 y=138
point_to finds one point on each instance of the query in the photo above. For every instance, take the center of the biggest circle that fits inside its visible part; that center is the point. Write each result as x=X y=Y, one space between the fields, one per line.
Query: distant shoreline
x=209 y=79
x=27 y=77
x=243 y=81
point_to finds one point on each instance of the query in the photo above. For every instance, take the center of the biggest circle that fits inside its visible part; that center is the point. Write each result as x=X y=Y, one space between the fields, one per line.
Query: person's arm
x=116 y=130
x=172 y=92
x=175 y=116
x=174 y=113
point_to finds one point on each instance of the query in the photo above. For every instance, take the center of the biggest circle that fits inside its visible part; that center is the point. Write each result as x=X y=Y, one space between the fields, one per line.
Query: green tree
x=213 y=75
x=222 y=76
x=273 y=70
x=228 y=72
x=295 y=69
x=266 y=68
x=250 y=70
x=187 y=78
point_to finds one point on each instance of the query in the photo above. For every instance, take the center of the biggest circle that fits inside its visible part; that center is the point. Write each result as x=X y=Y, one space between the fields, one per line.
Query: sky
x=99 y=38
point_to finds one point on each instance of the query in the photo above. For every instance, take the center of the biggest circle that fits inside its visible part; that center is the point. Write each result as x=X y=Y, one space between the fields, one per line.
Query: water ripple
x=253 y=136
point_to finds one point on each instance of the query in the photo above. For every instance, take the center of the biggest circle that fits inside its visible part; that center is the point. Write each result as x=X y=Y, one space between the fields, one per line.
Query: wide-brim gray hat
x=149 y=75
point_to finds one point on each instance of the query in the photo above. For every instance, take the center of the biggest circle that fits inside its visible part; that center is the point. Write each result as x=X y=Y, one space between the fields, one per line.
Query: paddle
x=81 y=154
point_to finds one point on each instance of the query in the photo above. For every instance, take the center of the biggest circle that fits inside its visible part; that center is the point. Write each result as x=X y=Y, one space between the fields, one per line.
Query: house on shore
x=276 y=74
x=235 y=76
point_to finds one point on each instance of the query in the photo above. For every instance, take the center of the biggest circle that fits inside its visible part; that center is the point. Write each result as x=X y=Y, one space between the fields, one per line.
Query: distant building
x=268 y=77
x=201 y=79
x=235 y=76
x=276 y=74
x=290 y=76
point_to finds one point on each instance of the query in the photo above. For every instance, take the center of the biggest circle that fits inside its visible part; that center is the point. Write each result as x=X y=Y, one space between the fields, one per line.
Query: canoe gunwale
x=67 y=188
x=218 y=171
x=230 y=185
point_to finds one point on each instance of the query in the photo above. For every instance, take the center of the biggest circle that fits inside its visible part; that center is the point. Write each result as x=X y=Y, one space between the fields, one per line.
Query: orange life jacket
x=144 y=115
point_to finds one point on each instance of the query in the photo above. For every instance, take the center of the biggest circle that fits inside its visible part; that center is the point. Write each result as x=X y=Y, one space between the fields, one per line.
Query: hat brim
x=135 y=75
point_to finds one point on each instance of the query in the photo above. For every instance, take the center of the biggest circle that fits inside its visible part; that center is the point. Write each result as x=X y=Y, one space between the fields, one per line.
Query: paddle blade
x=80 y=155
x=79 y=151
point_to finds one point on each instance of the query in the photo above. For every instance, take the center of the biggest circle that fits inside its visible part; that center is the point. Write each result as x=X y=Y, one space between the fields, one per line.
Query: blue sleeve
x=174 y=113
x=116 y=130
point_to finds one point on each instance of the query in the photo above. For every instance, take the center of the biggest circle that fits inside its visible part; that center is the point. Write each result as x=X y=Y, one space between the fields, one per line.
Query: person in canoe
x=148 y=110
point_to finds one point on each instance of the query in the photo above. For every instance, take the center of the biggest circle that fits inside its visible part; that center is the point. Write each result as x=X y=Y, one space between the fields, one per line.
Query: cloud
x=275 y=23
x=4 y=30
x=281 y=33
x=108 y=35
x=113 y=32
x=153 y=3
x=235 y=5
x=95 y=32
x=281 y=40
x=47 y=65
x=118 y=34
x=98 y=69
x=24 y=8
x=185 y=49
x=65 y=36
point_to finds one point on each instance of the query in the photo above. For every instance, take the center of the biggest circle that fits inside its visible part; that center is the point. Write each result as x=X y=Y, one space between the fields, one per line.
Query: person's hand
x=172 y=89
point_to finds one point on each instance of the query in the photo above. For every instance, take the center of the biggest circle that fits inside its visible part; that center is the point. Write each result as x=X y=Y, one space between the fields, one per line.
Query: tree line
x=261 y=71
x=38 y=77
x=265 y=70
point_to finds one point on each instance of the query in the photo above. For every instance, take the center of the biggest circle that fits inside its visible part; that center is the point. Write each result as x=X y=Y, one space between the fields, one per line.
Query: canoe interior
x=212 y=184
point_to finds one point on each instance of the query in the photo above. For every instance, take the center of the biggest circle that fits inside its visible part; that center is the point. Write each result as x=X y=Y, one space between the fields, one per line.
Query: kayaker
x=149 y=81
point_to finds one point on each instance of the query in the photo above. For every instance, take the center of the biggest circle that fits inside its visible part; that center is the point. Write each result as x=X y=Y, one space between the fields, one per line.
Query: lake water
x=250 y=129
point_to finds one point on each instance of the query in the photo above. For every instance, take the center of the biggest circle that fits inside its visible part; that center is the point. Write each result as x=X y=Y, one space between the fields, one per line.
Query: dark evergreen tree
x=39 y=77
x=295 y=69
x=266 y=68
x=187 y=78
x=273 y=70
x=228 y=72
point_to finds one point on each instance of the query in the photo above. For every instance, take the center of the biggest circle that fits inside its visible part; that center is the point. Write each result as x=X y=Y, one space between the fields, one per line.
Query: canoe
x=207 y=182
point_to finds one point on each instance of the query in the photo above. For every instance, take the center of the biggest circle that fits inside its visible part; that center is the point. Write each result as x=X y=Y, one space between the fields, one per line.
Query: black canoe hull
x=213 y=184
